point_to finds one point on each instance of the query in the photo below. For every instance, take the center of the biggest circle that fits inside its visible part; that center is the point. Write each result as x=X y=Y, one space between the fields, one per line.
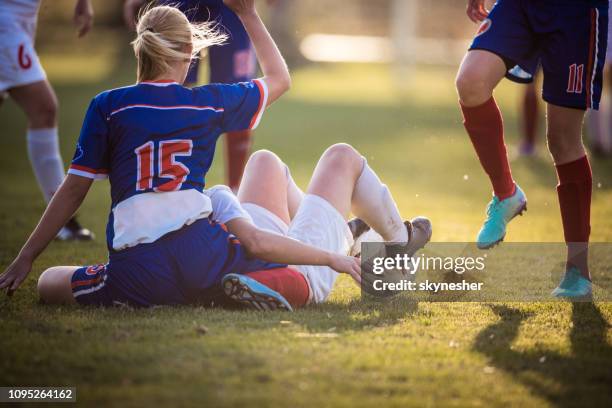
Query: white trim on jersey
x=596 y=61
x=146 y=106
x=263 y=102
x=87 y=174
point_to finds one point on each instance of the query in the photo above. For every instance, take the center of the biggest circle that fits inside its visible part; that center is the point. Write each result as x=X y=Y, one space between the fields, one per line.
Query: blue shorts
x=567 y=37
x=182 y=267
x=235 y=61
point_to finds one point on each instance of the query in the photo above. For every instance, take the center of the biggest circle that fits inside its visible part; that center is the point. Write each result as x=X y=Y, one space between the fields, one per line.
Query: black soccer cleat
x=73 y=231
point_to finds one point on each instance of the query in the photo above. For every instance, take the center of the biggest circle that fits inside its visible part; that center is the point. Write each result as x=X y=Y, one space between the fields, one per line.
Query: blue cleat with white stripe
x=253 y=294
x=499 y=214
x=574 y=286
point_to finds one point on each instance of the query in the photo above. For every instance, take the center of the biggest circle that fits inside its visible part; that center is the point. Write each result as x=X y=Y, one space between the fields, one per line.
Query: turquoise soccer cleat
x=253 y=294
x=499 y=214
x=573 y=285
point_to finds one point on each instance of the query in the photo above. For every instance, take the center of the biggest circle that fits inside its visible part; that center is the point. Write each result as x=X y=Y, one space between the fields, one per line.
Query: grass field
x=343 y=353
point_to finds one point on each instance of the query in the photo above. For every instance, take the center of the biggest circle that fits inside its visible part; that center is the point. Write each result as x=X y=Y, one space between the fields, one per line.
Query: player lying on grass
x=23 y=78
x=269 y=199
x=155 y=141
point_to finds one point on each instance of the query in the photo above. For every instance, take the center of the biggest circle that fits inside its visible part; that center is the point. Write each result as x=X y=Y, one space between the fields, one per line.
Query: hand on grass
x=347 y=264
x=476 y=10
x=83 y=17
x=15 y=274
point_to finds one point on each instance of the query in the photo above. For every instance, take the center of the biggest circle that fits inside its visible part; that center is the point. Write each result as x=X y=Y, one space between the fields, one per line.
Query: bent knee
x=344 y=155
x=472 y=89
x=54 y=285
x=264 y=158
x=44 y=114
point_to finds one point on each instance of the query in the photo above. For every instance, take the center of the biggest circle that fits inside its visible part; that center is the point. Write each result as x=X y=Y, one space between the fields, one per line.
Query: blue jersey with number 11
x=156 y=141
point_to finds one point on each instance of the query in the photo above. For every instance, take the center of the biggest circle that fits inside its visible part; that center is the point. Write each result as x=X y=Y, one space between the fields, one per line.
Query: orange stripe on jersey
x=93 y=281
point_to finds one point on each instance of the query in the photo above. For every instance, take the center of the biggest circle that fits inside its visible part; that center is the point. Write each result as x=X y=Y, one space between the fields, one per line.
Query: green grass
x=347 y=352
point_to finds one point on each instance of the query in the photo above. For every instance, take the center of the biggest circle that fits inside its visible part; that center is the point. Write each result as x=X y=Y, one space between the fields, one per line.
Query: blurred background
x=378 y=74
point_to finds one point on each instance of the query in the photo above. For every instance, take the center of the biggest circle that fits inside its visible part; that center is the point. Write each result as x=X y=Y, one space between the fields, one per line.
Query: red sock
x=485 y=126
x=574 y=191
x=530 y=116
x=286 y=281
x=237 y=148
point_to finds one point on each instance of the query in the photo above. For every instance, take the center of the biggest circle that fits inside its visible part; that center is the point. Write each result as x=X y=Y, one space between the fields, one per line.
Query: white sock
x=372 y=202
x=43 y=150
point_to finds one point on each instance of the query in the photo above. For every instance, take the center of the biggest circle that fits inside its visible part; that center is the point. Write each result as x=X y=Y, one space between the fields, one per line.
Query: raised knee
x=343 y=155
x=264 y=159
x=472 y=90
x=45 y=114
x=53 y=285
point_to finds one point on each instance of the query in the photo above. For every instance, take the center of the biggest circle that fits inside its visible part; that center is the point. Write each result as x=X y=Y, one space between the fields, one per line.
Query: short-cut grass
x=347 y=352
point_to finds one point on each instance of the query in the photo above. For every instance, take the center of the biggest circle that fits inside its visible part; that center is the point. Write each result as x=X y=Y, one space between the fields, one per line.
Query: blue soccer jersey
x=156 y=141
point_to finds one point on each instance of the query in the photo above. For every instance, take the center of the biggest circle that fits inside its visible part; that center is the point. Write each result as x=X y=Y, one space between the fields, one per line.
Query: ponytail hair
x=164 y=36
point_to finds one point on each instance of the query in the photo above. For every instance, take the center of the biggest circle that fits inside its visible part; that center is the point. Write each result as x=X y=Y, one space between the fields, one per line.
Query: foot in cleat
x=73 y=231
x=574 y=286
x=419 y=234
x=499 y=214
x=253 y=294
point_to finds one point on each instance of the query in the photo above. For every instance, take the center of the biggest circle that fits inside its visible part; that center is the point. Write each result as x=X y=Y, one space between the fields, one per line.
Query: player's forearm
x=280 y=249
x=273 y=66
x=62 y=206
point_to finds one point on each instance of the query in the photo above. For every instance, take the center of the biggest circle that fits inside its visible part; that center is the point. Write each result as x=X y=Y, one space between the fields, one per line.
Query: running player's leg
x=564 y=136
x=503 y=42
x=54 y=285
x=573 y=83
x=39 y=103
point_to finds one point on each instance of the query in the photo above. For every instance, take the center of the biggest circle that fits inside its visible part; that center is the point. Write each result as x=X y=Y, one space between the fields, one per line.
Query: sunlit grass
x=395 y=354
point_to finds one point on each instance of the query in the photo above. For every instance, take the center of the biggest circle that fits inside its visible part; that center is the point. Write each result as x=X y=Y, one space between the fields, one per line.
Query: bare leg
x=54 y=285
x=39 y=103
x=564 y=135
x=479 y=74
x=237 y=148
x=267 y=182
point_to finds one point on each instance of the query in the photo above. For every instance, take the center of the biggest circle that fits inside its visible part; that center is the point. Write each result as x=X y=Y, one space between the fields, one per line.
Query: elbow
x=285 y=82
x=254 y=244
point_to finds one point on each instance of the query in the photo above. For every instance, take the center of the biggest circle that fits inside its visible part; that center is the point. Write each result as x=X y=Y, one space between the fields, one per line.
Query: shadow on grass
x=357 y=314
x=584 y=378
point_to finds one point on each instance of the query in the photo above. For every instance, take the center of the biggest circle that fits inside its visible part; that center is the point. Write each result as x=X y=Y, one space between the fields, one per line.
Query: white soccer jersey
x=19 y=64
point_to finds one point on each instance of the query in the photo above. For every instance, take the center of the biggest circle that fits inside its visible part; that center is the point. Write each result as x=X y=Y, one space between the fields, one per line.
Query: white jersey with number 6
x=19 y=64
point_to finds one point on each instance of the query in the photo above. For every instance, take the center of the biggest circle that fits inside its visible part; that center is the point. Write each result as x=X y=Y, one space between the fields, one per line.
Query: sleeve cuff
x=88 y=172
x=263 y=102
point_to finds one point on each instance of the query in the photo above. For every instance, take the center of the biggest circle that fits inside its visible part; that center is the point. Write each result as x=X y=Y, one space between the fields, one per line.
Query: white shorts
x=19 y=63
x=317 y=223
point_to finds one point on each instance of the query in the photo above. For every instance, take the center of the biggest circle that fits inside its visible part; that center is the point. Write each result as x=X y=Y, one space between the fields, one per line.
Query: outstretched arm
x=276 y=73
x=64 y=204
x=277 y=248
